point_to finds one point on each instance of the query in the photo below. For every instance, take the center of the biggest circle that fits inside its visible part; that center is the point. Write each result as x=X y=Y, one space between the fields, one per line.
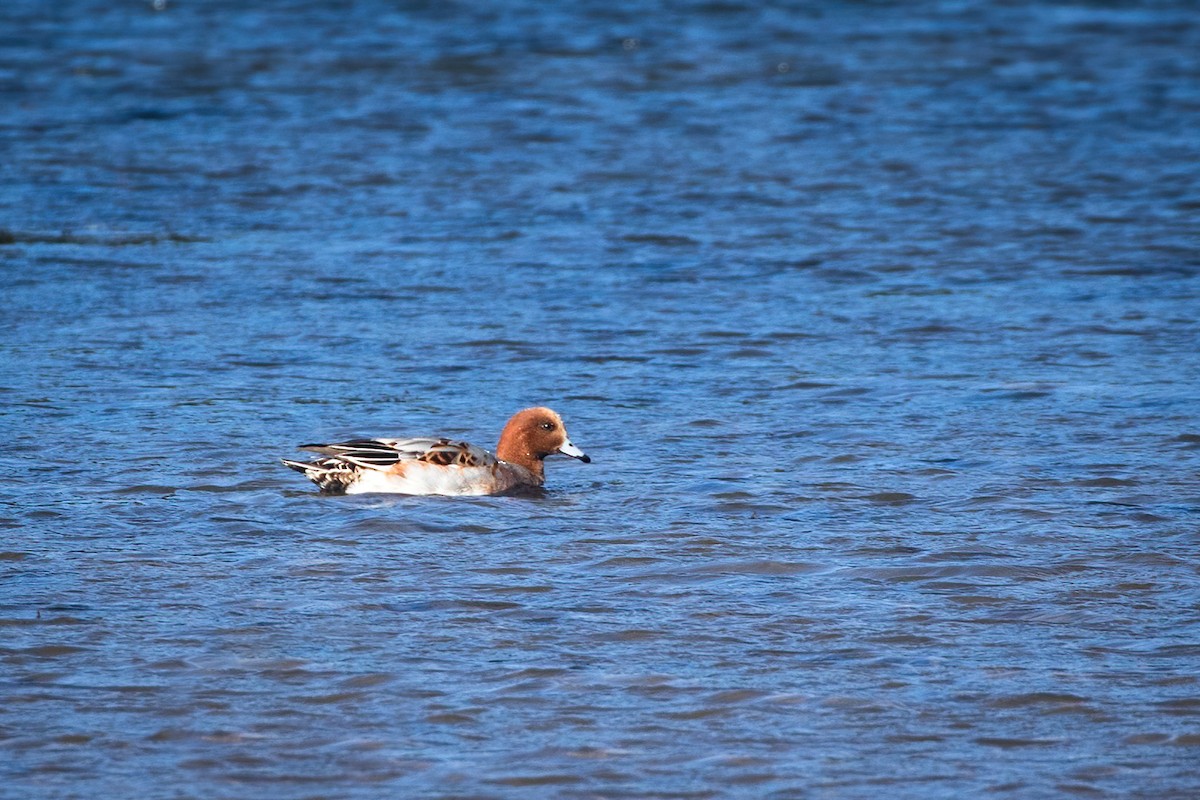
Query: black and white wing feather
x=385 y=453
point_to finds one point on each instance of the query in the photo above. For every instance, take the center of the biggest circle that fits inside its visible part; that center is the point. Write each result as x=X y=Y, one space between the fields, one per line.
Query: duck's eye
x=547 y=426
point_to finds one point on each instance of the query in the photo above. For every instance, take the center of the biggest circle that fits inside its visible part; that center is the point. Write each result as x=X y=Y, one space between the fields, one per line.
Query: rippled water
x=879 y=320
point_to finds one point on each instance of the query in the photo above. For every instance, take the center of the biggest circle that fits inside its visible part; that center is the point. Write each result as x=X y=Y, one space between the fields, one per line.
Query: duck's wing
x=384 y=454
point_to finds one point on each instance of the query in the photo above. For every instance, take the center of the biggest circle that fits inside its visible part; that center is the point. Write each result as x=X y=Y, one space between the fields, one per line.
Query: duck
x=443 y=466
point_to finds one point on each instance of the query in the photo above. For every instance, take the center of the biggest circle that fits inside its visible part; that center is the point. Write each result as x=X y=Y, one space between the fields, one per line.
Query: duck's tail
x=331 y=475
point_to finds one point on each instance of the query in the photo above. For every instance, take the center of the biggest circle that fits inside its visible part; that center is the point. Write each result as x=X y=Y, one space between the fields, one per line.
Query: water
x=879 y=320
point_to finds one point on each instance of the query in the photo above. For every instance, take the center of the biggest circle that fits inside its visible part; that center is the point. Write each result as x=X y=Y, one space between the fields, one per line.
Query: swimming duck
x=443 y=466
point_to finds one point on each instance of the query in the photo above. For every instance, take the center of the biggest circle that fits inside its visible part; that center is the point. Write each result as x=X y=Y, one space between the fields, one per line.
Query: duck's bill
x=571 y=450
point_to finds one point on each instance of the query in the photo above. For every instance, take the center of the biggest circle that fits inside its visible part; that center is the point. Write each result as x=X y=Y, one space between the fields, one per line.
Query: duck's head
x=533 y=434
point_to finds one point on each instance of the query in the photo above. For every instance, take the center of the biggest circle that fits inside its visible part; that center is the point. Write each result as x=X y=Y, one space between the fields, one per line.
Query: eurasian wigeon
x=442 y=466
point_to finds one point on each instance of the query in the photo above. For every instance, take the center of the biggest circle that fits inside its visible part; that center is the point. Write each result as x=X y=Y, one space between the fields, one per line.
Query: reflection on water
x=879 y=321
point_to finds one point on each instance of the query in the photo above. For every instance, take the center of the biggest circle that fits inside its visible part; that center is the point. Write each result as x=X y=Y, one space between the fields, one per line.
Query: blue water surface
x=879 y=321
